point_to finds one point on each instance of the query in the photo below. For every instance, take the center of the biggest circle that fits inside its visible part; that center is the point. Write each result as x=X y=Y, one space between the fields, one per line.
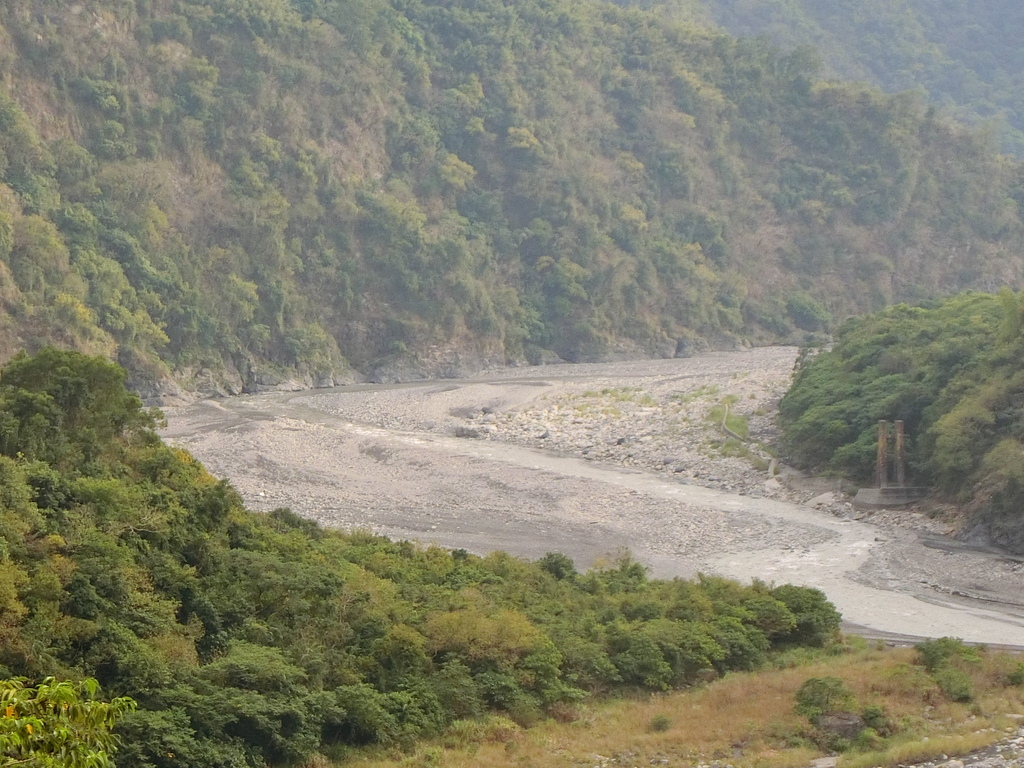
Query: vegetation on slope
x=750 y=719
x=964 y=56
x=251 y=190
x=909 y=713
x=952 y=372
x=262 y=639
x=58 y=725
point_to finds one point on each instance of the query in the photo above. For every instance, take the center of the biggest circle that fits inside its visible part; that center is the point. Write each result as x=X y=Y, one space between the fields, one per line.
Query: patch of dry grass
x=745 y=720
x=922 y=750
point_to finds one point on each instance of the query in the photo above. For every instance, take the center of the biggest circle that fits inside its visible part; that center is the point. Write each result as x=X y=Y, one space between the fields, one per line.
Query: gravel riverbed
x=594 y=459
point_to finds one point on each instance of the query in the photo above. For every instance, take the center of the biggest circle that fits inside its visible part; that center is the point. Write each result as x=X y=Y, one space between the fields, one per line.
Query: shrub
x=642 y=663
x=361 y=717
x=563 y=712
x=821 y=695
x=660 y=723
x=934 y=654
x=807 y=312
x=868 y=739
x=877 y=719
x=558 y=565
x=817 y=620
x=457 y=691
x=955 y=683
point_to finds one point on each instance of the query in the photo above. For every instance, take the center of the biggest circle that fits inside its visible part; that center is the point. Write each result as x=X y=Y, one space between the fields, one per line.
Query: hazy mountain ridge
x=965 y=56
x=247 y=193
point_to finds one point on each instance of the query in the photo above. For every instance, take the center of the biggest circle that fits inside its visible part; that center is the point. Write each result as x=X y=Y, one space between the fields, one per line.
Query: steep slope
x=237 y=193
x=951 y=371
x=965 y=56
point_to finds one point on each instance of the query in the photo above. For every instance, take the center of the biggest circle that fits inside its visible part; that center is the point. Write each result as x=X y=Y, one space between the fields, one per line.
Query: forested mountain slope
x=236 y=192
x=965 y=56
x=951 y=370
x=262 y=640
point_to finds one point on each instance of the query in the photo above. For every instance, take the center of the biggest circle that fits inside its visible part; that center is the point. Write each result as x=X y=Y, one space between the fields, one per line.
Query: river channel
x=535 y=471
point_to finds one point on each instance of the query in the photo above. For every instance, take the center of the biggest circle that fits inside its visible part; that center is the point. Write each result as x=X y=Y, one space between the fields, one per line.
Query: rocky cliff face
x=991 y=524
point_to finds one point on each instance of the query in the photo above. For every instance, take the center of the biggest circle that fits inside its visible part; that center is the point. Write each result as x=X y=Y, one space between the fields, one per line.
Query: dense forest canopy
x=952 y=372
x=261 y=639
x=239 y=192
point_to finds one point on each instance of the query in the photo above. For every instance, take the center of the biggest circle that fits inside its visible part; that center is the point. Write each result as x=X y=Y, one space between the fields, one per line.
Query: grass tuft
x=660 y=724
x=930 y=748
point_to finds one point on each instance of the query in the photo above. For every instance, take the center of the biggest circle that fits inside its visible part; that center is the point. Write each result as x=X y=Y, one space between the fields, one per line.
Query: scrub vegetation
x=750 y=719
x=261 y=639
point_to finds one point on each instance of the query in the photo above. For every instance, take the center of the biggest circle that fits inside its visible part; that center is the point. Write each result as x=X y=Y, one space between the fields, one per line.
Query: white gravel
x=588 y=459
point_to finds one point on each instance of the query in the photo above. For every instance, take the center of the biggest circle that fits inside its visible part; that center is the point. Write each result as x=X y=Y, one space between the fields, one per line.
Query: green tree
x=58 y=724
x=63 y=407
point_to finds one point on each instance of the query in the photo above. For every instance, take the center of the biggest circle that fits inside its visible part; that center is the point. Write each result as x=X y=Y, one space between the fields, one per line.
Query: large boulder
x=845 y=725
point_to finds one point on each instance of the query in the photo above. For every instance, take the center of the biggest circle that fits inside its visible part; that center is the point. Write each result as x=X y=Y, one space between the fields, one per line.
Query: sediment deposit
x=592 y=460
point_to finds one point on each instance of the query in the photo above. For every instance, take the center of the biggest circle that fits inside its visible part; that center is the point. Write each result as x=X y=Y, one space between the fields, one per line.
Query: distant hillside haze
x=963 y=56
x=236 y=194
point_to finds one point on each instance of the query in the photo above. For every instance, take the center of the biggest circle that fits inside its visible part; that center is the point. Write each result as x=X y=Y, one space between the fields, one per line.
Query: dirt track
x=589 y=459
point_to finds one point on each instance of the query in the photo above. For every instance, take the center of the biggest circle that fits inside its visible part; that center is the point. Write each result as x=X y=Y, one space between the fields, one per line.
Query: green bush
x=821 y=696
x=817 y=620
x=868 y=740
x=934 y=654
x=807 y=313
x=558 y=565
x=660 y=723
x=877 y=719
x=955 y=683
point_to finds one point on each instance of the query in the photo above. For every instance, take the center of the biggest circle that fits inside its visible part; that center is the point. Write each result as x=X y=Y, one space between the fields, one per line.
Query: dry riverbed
x=594 y=459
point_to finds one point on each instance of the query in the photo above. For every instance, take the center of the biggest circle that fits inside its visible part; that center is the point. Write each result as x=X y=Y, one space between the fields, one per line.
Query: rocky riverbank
x=586 y=459
x=1005 y=753
x=592 y=459
x=659 y=416
x=653 y=415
